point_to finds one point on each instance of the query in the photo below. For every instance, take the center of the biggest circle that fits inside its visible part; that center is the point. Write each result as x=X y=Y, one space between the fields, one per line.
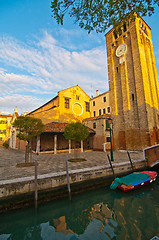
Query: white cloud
x=45 y=67
x=22 y=103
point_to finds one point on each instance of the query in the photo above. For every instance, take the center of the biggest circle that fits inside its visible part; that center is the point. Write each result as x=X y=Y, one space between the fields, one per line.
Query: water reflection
x=100 y=225
x=99 y=215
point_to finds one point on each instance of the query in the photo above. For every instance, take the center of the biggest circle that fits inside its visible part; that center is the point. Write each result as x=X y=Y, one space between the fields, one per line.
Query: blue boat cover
x=134 y=178
x=131 y=179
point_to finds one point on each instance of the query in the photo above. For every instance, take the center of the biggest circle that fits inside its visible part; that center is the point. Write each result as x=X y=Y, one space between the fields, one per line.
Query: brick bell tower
x=133 y=86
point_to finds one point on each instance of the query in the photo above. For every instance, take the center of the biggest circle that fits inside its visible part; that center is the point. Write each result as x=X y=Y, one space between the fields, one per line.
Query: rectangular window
x=104 y=99
x=77 y=97
x=94 y=125
x=94 y=113
x=108 y=109
x=99 y=112
x=3 y=122
x=93 y=103
x=67 y=103
x=2 y=131
x=107 y=125
x=103 y=110
x=87 y=107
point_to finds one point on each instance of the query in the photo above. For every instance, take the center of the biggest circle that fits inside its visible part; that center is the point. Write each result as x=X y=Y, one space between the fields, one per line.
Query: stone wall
x=152 y=155
x=15 y=187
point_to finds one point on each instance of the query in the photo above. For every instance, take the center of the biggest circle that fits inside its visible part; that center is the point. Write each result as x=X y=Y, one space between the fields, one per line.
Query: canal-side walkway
x=18 y=183
x=50 y=163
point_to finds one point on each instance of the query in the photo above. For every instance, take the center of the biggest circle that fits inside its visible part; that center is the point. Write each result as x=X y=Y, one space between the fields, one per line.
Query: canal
x=96 y=215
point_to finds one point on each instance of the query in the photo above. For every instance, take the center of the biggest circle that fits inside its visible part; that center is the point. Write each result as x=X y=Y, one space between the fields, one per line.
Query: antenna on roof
x=91 y=91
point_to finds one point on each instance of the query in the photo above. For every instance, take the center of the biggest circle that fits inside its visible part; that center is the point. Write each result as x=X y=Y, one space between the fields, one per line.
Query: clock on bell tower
x=133 y=86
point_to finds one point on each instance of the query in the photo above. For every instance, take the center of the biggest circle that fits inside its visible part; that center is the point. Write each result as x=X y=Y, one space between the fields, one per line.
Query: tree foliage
x=99 y=15
x=28 y=127
x=76 y=132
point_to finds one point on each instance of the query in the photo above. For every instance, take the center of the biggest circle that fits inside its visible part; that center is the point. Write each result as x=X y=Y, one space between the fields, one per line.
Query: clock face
x=121 y=50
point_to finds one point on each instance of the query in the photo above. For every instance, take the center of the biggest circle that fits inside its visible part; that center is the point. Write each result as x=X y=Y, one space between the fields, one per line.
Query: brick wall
x=133 y=85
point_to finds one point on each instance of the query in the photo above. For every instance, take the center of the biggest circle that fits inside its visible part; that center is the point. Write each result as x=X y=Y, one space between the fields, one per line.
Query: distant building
x=13 y=141
x=100 y=104
x=5 y=123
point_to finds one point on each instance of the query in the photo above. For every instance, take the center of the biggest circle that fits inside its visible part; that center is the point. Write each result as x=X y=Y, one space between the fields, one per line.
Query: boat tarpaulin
x=131 y=179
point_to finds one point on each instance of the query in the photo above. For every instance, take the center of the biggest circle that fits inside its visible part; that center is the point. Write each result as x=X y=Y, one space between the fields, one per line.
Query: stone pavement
x=50 y=163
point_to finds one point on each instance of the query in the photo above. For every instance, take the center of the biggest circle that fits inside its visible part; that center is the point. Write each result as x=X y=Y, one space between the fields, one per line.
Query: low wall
x=151 y=154
x=10 y=189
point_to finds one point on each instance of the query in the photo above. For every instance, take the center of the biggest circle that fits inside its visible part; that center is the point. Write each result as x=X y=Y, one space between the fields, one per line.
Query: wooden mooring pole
x=36 y=185
x=130 y=161
x=68 y=181
x=111 y=165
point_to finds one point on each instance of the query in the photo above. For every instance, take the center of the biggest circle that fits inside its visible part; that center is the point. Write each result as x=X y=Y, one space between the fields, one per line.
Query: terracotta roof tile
x=59 y=127
x=5 y=116
x=55 y=127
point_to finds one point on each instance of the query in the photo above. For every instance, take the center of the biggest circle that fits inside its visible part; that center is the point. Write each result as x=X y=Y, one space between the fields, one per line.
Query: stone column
x=55 y=144
x=81 y=145
x=69 y=145
x=104 y=150
x=38 y=144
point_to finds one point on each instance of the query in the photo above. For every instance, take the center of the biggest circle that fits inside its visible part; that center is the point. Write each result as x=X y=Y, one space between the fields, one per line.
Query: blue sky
x=38 y=58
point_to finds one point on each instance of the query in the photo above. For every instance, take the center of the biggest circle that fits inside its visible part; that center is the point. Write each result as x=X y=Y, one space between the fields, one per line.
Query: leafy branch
x=99 y=15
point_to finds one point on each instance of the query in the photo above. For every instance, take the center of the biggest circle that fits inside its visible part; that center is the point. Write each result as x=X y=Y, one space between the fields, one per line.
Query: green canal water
x=97 y=215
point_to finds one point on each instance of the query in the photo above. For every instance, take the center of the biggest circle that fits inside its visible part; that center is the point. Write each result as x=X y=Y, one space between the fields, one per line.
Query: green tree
x=99 y=15
x=28 y=128
x=76 y=132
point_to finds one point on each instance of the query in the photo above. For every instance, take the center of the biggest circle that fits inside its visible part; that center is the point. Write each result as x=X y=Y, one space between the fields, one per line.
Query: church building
x=70 y=105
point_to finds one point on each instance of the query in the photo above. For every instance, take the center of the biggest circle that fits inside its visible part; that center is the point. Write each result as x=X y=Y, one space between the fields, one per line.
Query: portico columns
x=55 y=144
x=81 y=145
x=69 y=145
x=38 y=144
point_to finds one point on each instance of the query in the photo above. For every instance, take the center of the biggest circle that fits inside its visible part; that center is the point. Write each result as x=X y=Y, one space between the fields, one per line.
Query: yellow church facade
x=71 y=104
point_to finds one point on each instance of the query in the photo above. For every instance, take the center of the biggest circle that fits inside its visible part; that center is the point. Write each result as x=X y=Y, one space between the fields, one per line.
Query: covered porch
x=53 y=141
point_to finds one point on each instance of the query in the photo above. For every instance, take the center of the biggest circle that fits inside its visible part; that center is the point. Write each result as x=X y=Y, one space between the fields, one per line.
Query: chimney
x=97 y=92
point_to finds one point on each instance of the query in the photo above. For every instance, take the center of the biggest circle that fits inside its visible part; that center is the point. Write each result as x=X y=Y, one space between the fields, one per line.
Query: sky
x=38 y=58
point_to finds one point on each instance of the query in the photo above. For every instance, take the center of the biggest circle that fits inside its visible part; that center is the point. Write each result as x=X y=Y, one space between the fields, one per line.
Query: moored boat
x=134 y=180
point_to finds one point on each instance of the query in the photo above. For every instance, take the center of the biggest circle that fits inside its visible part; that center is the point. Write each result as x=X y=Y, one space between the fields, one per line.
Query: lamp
x=111 y=148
